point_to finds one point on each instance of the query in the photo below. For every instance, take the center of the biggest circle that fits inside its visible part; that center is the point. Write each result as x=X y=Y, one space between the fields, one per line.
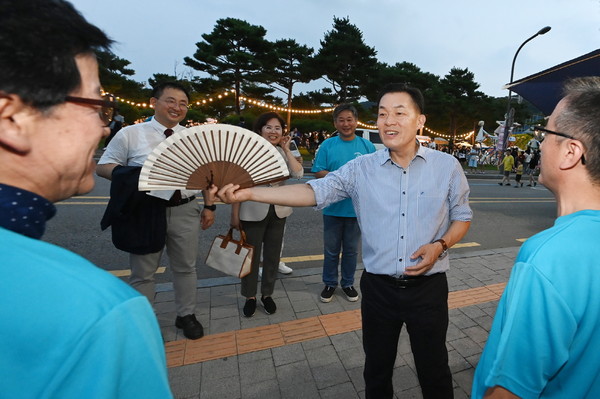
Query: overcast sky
x=436 y=35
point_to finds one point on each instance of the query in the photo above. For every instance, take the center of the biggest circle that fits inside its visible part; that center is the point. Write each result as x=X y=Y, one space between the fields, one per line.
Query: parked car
x=372 y=136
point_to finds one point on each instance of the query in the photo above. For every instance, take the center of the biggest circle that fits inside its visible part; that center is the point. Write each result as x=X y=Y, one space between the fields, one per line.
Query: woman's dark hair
x=264 y=118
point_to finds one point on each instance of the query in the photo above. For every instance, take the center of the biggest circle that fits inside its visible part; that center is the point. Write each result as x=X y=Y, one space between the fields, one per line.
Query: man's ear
x=572 y=153
x=13 y=135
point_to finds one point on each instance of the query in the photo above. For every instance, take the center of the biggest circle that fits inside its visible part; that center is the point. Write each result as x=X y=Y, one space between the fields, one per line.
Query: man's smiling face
x=398 y=121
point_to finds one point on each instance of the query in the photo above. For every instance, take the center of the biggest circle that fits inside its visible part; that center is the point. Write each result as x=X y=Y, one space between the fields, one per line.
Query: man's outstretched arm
x=292 y=195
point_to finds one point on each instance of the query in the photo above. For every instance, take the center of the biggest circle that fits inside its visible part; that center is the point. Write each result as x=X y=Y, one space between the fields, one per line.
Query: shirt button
x=400 y=259
x=402 y=237
x=402 y=214
x=404 y=172
x=403 y=192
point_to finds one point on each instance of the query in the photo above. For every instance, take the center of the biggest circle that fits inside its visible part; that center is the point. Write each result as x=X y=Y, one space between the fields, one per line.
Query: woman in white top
x=263 y=223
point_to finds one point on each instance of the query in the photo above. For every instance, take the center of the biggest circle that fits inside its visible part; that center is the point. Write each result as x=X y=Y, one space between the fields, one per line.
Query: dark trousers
x=265 y=236
x=424 y=309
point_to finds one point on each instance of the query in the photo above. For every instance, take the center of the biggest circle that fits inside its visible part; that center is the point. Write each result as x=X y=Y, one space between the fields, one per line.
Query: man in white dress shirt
x=130 y=147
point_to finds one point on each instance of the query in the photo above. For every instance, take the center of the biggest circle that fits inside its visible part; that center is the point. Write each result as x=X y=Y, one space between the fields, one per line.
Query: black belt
x=181 y=201
x=404 y=281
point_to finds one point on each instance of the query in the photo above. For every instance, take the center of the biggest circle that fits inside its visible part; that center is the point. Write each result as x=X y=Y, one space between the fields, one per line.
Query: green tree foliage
x=235 y=51
x=115 y=78
x=344 y=60
x=261 y=93
x=315 y=98
x=401 y=72
x=412 y=75
x=460 y=96
x=114 y=75
x=159 y=78
x=289 y=68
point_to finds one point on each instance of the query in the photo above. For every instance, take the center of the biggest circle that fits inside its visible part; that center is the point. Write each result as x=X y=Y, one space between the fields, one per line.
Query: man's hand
x=210 y=195
x=429 y=254
x=207 y=218
x=231 y=193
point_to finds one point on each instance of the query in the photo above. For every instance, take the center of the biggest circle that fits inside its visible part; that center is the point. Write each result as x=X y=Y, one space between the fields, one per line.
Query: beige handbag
x=231 y=256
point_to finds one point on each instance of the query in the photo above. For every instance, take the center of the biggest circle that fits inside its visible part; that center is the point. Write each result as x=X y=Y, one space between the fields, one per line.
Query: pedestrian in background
x=518 y=175
x=508 y=163
x=532 y=166
x=473 y=160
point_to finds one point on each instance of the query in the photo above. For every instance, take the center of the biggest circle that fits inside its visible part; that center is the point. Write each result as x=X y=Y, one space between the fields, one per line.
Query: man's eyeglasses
x=173 y=103
x=544 y=131
x=107 y=105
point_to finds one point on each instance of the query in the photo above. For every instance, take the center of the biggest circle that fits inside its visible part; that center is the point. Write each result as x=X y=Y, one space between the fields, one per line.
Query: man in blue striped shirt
x=412 y=205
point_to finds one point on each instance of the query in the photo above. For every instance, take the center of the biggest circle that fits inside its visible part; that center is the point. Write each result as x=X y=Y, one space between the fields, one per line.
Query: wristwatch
x=444 y=248
x=210 y=207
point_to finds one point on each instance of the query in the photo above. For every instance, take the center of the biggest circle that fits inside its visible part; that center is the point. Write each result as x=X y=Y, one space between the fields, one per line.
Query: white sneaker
x=284 y=269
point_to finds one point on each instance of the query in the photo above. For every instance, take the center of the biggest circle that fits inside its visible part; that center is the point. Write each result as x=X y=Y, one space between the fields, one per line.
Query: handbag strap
x=229 y=238
x=243 y=237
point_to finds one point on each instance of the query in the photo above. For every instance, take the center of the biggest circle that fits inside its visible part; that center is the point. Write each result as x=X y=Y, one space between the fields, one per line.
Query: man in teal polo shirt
x=340 y=227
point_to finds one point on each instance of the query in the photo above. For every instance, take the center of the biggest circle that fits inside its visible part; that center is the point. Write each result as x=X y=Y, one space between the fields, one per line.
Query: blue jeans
x=340 y=234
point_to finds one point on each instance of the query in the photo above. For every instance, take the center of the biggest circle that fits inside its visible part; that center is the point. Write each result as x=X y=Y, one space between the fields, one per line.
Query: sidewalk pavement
x=310 y=349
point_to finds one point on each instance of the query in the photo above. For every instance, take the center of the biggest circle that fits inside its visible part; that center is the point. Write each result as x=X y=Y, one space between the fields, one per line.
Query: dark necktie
x=177 y=194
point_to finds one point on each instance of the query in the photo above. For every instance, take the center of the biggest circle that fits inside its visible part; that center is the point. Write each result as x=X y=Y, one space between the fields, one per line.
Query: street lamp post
x=508 y=119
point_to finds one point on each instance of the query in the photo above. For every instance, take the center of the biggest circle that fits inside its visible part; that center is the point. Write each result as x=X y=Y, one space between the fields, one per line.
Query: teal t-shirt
x=332 y=155
x=545 y=338
x=71 y=330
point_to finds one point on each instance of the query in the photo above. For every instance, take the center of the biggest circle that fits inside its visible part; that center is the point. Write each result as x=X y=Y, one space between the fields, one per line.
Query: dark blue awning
x=544 y=89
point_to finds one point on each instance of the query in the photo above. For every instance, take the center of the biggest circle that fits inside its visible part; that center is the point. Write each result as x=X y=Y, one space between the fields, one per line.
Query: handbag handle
x=229 y=237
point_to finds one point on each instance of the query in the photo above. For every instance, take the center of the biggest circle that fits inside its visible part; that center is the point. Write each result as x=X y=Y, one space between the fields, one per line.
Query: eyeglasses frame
x=565 y=135
x=107 y=109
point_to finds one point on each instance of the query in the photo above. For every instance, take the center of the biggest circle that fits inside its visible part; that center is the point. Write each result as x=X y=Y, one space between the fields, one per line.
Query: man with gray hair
x=340 y=227
x=545 y=338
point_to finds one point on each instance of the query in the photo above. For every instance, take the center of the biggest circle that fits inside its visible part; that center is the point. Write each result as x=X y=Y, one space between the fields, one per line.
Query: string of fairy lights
x=273 y=107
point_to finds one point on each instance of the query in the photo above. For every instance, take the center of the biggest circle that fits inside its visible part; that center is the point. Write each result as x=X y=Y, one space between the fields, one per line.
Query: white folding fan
x=196 y=157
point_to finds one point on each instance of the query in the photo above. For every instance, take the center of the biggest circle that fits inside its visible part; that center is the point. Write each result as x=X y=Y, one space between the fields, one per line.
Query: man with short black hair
x=412 y=204
x=69 y=329
x=545 y=337
x=130 y=147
